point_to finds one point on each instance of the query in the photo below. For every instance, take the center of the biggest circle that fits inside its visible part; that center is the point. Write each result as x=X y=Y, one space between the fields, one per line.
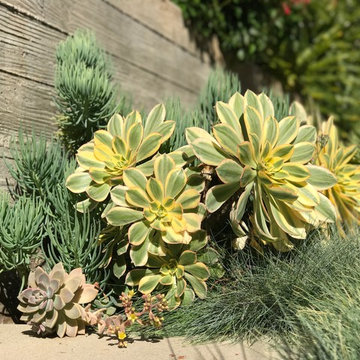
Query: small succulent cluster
x=116 y=325
x=276 y=182
x=52 y=302
x=153 y=211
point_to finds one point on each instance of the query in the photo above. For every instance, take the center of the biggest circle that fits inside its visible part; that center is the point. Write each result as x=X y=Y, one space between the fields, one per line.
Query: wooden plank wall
x=152 y=54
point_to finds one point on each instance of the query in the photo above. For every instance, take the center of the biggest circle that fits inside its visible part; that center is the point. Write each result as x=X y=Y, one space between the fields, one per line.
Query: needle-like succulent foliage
x=51 y=303
x=162 y=210
x=266 y=162
x=125 y=143
x=345 y=194
x=172 y=273
x=21 y=233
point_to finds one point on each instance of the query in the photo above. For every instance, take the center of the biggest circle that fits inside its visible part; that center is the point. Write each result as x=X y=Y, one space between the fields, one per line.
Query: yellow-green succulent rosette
x=162 y=210
x=123 y=145
x=179 y=275
x=345 y=194
x=267 y=162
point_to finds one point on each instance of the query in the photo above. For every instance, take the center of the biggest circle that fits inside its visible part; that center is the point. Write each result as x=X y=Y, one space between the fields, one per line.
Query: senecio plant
x=265 y=164
x=52 y=302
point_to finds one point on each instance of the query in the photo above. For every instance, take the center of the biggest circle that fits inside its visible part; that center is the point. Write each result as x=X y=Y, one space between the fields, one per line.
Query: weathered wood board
x=151 y=50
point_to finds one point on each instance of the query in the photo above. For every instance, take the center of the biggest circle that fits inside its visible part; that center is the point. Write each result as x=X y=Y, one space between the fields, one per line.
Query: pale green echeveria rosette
x=268 y=163
x=125 y=143
x=161 y=211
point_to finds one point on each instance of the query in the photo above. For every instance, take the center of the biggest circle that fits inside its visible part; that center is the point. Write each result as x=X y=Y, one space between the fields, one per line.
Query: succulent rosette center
x=121 y=146
x=116 y=165
x=267 y=161
x=162 y=209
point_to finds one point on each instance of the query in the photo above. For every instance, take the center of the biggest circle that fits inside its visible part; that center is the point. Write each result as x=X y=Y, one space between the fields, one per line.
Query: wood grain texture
x=129 y=40
x=152 y=54
x=163 y=17
x=25 y=103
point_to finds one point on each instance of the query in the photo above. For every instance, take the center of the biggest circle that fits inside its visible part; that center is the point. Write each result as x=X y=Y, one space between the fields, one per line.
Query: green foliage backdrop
x=311 y=46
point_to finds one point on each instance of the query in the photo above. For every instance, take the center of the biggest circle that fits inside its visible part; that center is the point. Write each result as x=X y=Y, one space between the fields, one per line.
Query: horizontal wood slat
x=152 y=54
x=123 y=37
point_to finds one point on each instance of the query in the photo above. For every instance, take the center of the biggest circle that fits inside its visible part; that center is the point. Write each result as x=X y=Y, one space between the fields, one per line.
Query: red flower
x=286 y=8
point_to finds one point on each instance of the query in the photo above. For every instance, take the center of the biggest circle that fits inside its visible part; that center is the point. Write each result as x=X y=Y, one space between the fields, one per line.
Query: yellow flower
x=132 y=317
x=121 y=335
x=131 y=294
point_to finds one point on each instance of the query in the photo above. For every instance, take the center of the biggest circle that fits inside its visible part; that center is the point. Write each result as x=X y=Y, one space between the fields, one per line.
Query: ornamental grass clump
x=265 y=164
x=306 y=298
x=52 y=302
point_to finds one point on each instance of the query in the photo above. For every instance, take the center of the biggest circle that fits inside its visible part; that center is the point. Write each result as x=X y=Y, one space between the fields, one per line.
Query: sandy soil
x=17 y=343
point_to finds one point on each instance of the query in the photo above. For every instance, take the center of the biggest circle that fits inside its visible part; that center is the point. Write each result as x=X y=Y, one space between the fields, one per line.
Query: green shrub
x=86 y=95
x=250 y=29
x=312 y=47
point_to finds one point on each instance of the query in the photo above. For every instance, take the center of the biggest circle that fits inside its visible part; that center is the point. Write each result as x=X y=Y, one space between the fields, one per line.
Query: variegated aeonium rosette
x=164 y=215
x=267 y=162
x=173 y=272
x=52 y=302
x=345 y=194
x=124 y=144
